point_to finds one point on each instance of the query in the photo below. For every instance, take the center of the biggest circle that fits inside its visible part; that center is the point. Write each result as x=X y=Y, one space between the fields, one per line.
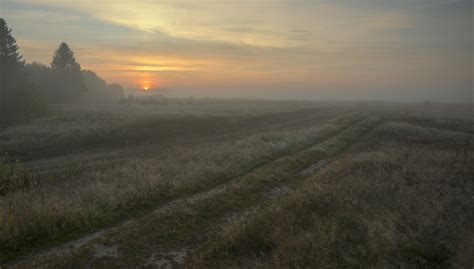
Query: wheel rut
x=180 y=225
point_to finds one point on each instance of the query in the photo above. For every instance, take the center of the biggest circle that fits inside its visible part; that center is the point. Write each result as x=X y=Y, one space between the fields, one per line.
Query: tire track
x=258 y=177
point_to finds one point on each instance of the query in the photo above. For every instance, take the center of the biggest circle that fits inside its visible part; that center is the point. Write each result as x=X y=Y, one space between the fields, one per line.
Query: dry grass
x=395 y=201
x=79 y=120
x=186 y=222
x=399 y=197
x=57 y=209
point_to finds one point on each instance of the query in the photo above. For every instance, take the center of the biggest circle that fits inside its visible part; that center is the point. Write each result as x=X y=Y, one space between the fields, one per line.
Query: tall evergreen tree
x=68 y=72
x=64 y=60
x=11 y=64
x=19 y=99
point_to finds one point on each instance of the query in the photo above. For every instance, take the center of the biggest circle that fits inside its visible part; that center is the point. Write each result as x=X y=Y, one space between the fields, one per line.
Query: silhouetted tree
x=11 y=64
x=43 y=77
x=93 y=82
x=18 y=98
x=70 y=83
x=47 y=81
x=98 y=90
x=64 y=60
x=115 y=91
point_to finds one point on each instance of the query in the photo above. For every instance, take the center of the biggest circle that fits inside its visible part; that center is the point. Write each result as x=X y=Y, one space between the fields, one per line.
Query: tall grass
x=79 y=120
x=394 y=201
x=60 y=209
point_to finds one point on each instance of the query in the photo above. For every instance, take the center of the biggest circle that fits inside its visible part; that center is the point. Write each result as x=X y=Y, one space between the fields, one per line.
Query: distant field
x=239 y=183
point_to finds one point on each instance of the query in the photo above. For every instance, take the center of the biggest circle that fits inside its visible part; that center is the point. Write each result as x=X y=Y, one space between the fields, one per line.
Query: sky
x=396 y=50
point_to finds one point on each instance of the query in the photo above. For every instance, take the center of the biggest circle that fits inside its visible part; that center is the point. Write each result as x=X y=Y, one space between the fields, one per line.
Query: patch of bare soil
x=101 y=251
x=314 y=168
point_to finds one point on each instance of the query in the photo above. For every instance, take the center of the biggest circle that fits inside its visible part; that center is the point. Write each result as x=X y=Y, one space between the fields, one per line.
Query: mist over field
x=236 y=134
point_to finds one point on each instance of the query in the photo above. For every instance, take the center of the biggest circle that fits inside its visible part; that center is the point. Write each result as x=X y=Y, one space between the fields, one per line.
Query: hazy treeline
x=27 y=89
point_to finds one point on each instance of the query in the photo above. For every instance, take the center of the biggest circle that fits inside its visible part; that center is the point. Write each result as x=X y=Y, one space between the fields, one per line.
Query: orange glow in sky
x=376 y=50
x=146 y=81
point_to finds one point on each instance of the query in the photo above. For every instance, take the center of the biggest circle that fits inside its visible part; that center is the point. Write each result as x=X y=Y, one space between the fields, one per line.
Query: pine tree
x=70 y=83
x=11 y=63
x=64 y=60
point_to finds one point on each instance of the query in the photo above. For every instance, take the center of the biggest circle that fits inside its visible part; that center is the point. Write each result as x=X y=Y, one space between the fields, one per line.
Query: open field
x=217 y=183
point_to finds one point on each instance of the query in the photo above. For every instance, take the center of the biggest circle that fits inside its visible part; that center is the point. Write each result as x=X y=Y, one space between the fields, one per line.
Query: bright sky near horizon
x=408 y=50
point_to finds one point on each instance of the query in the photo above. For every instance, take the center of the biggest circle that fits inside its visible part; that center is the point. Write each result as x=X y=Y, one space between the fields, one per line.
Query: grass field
x=239 y=183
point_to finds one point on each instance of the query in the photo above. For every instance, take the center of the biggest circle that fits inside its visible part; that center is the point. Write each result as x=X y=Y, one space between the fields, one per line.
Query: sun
x=145 y=88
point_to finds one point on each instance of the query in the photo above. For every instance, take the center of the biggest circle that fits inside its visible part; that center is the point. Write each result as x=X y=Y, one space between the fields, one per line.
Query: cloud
x=313 y=45
x=265 y=24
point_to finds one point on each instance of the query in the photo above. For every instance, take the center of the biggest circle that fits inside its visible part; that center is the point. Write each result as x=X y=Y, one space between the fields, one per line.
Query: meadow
x=240 y=184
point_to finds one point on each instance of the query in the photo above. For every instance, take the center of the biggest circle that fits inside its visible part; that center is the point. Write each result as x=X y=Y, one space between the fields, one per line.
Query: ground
x=239 y=183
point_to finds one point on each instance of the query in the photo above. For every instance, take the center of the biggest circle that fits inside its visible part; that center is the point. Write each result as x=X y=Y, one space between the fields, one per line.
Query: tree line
x=27 y=89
